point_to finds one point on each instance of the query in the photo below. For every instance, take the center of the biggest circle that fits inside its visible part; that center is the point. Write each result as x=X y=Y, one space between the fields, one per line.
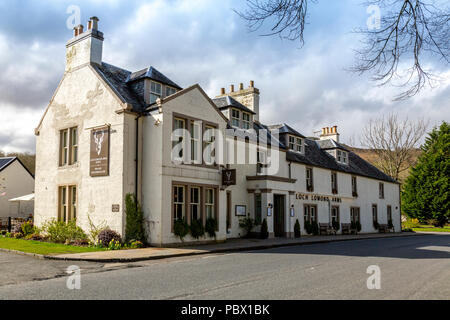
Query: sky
x=206 y=42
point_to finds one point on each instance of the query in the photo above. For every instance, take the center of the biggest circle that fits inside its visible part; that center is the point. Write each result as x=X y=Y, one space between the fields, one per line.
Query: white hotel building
x=107 y=132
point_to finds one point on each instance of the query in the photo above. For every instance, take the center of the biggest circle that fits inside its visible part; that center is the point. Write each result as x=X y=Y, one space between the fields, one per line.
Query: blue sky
x=205 y=42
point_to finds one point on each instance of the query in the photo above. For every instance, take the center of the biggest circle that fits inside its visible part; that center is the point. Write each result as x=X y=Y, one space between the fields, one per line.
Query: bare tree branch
x=394 y=142
x=410 y=32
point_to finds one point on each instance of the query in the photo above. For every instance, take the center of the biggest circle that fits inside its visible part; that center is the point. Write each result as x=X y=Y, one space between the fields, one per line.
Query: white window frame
x=296 y=144
x=235 y=118
x=246 y=123
x=154 y=94
x=196 y=143
x=196 y=203
x=176 y=202
x=210 y=203
x=170 y=91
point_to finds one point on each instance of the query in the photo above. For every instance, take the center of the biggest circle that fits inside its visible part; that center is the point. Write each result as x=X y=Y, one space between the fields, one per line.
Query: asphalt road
x=411 y=268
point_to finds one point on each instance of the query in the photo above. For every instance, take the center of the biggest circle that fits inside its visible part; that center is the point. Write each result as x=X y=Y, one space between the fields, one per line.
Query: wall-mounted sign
x=292 y=212
x=317 y=197
x=241 y=211
x=229 y=177
x=116 y=208
x=99 y=166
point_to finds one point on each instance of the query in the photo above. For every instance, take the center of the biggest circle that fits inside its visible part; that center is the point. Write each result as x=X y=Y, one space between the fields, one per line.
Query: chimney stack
x=330 y=133
x=249 y=97
x=86 y=47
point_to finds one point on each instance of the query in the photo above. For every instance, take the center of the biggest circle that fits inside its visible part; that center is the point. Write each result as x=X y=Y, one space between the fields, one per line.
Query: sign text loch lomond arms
x=316 y=197
x=99 y=166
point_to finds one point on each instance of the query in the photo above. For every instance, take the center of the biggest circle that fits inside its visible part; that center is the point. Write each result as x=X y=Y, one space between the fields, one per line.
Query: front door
x=279 y=212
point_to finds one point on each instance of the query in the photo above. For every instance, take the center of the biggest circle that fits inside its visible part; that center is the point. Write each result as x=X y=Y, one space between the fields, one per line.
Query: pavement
x=416 y=267
x=234 y=245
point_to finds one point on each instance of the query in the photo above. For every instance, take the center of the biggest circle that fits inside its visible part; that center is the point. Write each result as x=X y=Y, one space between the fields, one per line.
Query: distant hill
x=371 y=157
x=28 y=159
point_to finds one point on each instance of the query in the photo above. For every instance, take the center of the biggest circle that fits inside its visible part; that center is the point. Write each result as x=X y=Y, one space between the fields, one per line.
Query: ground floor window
x=194 y=202
x=67 y=207
x=178 y=203
x=258 y=208
x=389 y=214
x=354 y=215
x=335 y=219
x=375 y=214
x=210 y=204
x=310 y=214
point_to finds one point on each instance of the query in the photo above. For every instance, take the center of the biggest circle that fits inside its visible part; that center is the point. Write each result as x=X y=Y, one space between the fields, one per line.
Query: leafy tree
x=134 y=229
x=426 y=192
x=297 y=229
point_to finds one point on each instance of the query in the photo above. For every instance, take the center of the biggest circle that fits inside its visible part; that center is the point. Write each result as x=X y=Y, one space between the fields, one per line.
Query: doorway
x=279 y=215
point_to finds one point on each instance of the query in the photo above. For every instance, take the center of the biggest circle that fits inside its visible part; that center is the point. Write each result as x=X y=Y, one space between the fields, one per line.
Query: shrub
x=358 y=226
x=114 y=245
x=247 y=224
x=135 y=245
x=34 y=237
x=297 y=229
x=376 y=225
x=336 y=225
x=18 y=236
x=181 y=229
x=211 y=227
x=94 y=230
x=308 y=227
x=264 y=233
x=28 y=228
x=315 y=228
x=107 y=235
x=197 y=229
x=134 y=229
x=390 y=224
x=61 y=232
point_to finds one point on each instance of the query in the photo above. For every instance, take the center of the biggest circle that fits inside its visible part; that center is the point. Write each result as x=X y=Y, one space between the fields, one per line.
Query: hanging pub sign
x=99 y=160
x=229 y=177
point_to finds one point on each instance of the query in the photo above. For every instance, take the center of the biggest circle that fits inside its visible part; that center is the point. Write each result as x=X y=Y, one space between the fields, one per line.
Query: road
x=411 y=268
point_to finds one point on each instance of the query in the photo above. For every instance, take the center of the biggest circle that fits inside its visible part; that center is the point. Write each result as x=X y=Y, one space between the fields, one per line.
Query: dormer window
x=342 y=157
x=170 y=91
x=296 y=144
x=246 y=120
x=235 y=118
x=155 y=92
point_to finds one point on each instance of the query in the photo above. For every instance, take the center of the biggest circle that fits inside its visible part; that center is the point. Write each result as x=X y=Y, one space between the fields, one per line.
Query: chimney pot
x=75 y=32
x=335 y=129
x=241 y=86
x=80 y=29
x=94 y=21
x=222 y=91
x=232 y=88
x=252 y=84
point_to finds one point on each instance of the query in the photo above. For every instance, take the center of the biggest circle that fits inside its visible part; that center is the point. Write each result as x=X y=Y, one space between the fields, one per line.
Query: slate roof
x=4 y=162
x=227 y=102
x=284 y=128
x=315 y=156
x=330 y=144
x=116 y=78
x=151 y=73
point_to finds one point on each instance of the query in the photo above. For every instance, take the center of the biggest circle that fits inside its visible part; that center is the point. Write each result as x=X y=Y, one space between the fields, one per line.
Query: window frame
x=235 y=118
x=175 y=204
x=67 y=207
x=157 y=95
x=309 y=179
x=296 y=144
x=355 y=214
x=170 y=91
x=68 y=147
x=374 y=213
x=186 y=205
x=246 y=124
x=381 y=190
x=334 y=182
x=338 y=214
x=354 y=186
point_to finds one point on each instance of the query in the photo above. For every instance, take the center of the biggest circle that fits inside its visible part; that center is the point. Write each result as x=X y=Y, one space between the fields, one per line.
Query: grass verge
x=425 y=228
x=43 y=248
